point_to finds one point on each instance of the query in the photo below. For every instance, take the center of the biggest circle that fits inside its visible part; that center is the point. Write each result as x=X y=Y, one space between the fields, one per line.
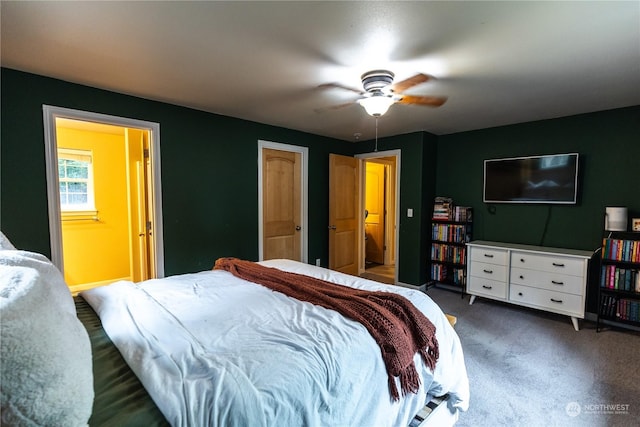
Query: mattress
x=212 y=349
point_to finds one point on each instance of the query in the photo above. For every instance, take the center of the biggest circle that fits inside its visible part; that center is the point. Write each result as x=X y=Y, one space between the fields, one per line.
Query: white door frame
x=304 y=153
x=376 y=155
x=50 y=113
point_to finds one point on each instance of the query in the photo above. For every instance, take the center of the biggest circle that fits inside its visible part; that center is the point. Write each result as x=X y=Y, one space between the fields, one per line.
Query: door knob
x=298 y=228
x=332 y=227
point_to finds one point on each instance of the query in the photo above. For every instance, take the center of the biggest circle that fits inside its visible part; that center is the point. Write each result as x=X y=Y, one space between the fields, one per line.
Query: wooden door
x=344 y=213
x=282 y=208
x=140 y=204
x=374 y=224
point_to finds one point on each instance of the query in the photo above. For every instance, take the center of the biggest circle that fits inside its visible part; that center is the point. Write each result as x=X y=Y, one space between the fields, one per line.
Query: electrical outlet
x=318 y=262
x=409 y=213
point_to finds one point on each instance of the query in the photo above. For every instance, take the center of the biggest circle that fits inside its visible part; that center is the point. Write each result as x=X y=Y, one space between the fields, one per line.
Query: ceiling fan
x=380 y=92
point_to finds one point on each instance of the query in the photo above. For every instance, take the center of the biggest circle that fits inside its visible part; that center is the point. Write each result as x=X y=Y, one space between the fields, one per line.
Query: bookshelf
x=619 y=287
x=451 y=230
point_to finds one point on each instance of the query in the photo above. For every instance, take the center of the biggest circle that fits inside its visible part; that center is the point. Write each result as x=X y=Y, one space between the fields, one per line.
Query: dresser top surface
x=531 y=248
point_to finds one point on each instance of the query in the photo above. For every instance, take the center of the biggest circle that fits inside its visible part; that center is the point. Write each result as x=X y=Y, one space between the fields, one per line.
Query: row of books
x=462 y=214
x=443 y=252
x=444 y=273
x=623 y=308
x=444 y=209
x=457 y=233
x=621 y=250
x=624 y=279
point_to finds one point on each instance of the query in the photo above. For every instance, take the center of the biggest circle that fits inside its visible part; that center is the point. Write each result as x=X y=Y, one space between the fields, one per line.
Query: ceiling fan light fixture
x=376 y=80
x=377 y=104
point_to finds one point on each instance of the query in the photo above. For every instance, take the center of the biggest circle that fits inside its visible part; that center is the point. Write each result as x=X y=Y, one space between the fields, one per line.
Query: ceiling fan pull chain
x=376 y=147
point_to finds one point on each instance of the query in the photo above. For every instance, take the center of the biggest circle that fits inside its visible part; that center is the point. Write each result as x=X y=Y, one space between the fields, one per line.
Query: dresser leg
x=574 y=320
x=472 y=299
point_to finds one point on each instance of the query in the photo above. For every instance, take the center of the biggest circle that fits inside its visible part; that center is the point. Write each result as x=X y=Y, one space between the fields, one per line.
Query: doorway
x=104 y=197
x=379 y=198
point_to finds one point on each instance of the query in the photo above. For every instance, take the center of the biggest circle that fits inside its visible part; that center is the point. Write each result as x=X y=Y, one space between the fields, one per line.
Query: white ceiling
x=498 y=62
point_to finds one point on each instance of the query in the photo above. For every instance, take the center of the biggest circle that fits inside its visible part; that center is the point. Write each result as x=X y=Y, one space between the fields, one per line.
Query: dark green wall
x=609 y=146
x=209 y=171
x=209 y=175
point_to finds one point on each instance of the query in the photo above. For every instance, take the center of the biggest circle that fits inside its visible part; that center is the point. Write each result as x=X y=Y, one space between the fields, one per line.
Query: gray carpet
x=530 y=368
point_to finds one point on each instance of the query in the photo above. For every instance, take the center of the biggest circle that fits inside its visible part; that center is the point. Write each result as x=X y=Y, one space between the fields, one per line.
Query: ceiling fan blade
x=431 y=101
x=410 y=82
x=333 y=107
x=339 y=86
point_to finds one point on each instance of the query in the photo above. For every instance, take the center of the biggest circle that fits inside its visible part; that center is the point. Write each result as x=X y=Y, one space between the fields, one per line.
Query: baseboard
x=440 y=285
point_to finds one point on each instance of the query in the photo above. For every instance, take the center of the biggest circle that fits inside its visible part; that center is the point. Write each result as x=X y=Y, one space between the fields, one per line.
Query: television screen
x=534 y=179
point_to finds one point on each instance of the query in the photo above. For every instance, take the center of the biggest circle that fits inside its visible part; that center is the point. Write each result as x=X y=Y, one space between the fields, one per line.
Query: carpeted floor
x=530 y=368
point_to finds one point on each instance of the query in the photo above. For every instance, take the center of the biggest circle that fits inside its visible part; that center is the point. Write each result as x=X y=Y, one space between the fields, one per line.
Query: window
x=75 y=173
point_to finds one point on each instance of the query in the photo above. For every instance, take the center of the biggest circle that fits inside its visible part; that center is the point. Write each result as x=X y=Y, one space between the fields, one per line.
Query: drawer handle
x=521 y=259
x=521 y=277
x=487 y=287
x=557 y=264
x=488 y=271
x=559 y=301
x=555 y=282
x=519 y=294
x=488 y=255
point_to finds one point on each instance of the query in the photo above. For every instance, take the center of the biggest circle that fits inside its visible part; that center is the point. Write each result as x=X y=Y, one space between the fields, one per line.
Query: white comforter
x=212 y=349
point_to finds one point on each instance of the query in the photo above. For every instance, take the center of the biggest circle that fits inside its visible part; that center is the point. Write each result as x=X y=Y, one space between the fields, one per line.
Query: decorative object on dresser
x=615 y=219
x=549 y=279
x=619 y=287
x=451 y=229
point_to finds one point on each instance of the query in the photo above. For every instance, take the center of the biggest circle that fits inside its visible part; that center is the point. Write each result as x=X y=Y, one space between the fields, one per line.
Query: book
x=443 y=208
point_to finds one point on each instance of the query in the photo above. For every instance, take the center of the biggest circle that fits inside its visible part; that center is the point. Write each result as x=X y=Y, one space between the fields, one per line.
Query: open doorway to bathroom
x=102 y=200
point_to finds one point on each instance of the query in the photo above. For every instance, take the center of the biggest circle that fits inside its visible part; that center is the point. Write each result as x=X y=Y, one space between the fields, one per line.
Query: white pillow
x=46 y=370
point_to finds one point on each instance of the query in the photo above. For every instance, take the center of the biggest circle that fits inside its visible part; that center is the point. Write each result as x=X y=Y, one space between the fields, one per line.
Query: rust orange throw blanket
x=398 y=327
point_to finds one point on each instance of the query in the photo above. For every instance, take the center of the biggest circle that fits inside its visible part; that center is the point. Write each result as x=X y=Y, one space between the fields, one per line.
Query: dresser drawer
x=491 y=256
x=557 y=302
x=550 y=263
x=546 y=280
x=489 y=271
x=486 y=287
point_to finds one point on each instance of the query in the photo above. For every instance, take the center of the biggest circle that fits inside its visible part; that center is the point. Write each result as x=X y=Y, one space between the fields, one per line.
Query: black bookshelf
x=619 y=287
x=448 y=256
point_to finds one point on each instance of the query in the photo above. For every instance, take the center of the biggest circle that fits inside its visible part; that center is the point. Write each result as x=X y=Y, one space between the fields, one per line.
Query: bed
x=119 y=397
x=209 y=348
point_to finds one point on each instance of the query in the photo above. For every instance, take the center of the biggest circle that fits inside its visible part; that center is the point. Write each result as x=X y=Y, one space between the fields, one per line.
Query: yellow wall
x=97 y=251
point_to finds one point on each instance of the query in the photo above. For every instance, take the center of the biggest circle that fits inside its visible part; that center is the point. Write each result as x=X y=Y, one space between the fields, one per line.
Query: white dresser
x=550 y=279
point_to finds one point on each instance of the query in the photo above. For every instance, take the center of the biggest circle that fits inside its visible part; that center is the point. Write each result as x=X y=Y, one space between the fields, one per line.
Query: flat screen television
x=534 y=179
